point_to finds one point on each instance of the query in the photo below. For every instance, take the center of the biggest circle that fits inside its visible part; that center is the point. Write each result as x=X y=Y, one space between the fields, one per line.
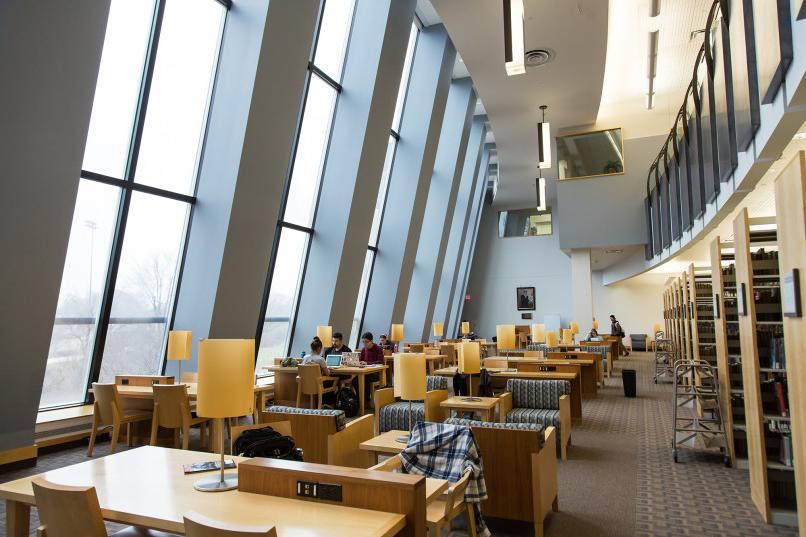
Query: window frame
x=128 y=185
x=282 y=224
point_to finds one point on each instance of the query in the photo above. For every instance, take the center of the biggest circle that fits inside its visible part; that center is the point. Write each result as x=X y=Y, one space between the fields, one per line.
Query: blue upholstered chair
x=545 y=402
x=393 y=414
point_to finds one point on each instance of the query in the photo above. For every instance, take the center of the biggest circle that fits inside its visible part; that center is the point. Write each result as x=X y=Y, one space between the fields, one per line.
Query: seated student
x=593 y=335
x=338 y=346
x=371 y=354
x=315 y=356
x=385 y=344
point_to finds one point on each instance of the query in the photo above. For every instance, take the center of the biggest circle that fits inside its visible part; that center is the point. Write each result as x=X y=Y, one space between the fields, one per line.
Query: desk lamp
x=438 y=330
x=470 y=364
x=325 y=334
x=179 y=344
x=465 y=328
x=396 y=334
x=505 y=337
x=551 y=338
x=538 y=333
x=225 y=390
x=410 y=381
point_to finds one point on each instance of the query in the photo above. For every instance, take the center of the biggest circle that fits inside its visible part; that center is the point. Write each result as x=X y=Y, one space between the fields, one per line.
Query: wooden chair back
x=190 y=376
x=455 y=497
x=172 y=405
x=282 y=427
x=107 y=402
x=67 y=511
x=387 y=352
x=197 y=525
x=416 y=347
x=450 y=352
x=310 y=431
x=310 y=378
x=431 y=351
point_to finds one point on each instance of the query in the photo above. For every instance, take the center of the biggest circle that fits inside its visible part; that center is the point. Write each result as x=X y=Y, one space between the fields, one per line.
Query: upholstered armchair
x=393 y=414
x=544 y=402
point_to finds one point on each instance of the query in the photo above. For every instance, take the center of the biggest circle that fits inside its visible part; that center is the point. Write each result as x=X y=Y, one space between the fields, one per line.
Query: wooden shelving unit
x=766 y=404
x=790 y=204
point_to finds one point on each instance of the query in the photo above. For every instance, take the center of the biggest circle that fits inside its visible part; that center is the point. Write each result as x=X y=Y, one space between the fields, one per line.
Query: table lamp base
x=216 y=484
x=403 y=438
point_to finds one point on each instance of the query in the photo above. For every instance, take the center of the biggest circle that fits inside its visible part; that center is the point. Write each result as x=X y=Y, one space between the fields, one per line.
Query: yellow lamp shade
x=396 y=334
x=179 y=344
x=505 y=336
x=325 y=333
x=551 y=338
x=596 y=325
x=538 y=333
x=656 y=328
x=567 y=336
x=469 y=358
x=465 y=327
x=226 y=378
x=438 y=329
x=410 y=375
x=574 y=327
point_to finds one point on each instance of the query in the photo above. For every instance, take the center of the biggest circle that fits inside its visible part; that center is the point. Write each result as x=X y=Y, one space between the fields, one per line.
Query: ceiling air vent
x=538 y=57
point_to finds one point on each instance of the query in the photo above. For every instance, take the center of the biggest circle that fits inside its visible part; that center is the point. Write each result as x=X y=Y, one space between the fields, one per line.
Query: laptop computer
x=333 y=360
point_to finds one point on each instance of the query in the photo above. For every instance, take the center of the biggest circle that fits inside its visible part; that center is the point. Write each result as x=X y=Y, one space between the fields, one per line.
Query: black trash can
x=628 y=380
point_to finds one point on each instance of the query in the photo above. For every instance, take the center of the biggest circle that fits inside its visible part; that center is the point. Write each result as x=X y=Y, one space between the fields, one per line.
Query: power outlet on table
x=307 y=489
x=328 y=491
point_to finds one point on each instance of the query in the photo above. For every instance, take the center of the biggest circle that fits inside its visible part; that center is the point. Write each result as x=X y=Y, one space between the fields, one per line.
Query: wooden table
x=586 y=367
x=285 y=381
x=485 y=406
x=497 y=372
x=431 y=361
x=146 y=487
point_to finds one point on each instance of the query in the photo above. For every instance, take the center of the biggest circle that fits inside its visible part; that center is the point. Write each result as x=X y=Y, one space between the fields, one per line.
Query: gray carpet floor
x=619 y=480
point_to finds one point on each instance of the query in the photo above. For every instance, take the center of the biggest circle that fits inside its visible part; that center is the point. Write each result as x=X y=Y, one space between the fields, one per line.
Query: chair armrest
x=565 y=419
x=343 y=446
x=434 y=412
x=504 y=406
x=389 y=465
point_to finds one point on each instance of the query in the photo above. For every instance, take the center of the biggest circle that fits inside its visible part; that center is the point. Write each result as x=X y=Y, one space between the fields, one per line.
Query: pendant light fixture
x=543 y=141
x=540 y=188
x=514 y=48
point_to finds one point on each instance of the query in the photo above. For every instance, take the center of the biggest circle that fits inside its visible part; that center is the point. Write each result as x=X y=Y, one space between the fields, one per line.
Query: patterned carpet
x=620 y=479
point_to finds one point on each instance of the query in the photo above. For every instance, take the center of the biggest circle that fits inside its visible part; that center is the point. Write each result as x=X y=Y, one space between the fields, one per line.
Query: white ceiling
x=598 y=76
x=571 y=85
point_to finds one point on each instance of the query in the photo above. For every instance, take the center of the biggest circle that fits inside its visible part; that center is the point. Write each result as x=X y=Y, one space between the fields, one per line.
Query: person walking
x=616 y=330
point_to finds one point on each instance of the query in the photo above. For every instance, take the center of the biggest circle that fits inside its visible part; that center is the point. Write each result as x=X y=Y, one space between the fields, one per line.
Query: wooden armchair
x=543 y=402
x=324 y=436
x=311 y=382
x=172 y=411
x=107 y=410
x=197 y=525
x=392 y=414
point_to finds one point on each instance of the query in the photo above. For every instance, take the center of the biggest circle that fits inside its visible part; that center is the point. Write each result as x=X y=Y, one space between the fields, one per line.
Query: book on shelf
x=780 y=397
x=785 y=451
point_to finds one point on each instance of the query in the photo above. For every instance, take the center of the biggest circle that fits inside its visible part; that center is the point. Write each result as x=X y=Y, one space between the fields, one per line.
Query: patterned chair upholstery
x=494 y=425
x=338 y=415
x=394 y=415
x=542 y=402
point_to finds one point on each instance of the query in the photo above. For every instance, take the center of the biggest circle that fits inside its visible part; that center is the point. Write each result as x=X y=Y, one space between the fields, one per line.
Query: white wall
x=637 y=303
x=499 y=266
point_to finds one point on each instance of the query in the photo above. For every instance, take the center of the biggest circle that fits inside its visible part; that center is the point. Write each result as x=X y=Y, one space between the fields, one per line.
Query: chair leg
x=299 y=395
x=129 y=434
x=115 y=434
x=93 y=433
x=185 y=437
x=564 y=451
x=320 y=398
x=471 y=521
x=154 y=426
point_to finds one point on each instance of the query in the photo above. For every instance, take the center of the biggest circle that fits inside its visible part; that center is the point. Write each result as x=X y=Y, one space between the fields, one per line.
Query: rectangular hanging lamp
x=544 y=145
x=514 y=49
x=540 y=187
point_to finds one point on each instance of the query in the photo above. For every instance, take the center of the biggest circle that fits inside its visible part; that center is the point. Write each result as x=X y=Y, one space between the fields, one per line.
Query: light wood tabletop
x=385 y=443
x=146 y=487
x=146 y=392
x=485 y=406
x=286 y=384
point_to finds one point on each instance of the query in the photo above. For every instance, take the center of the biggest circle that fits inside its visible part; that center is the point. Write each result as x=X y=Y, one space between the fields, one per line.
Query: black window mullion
x=125 y=202
x=137 y=187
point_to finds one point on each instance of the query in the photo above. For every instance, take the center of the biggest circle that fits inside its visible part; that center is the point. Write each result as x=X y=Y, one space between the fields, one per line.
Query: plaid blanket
x=446 y=451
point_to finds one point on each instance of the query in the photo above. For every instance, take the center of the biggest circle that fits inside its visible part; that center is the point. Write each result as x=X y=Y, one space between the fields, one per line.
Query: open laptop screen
x=333 y=360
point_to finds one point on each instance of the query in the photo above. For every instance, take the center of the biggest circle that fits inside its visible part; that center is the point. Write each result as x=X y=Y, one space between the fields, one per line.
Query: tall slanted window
x=380 y=204
x=135 y=194
x=294 y=230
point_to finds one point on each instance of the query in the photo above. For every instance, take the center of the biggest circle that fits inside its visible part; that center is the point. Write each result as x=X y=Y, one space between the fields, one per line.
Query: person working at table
x=338 y=346
x=371 y=354
x=385 y=344
x=315 y=356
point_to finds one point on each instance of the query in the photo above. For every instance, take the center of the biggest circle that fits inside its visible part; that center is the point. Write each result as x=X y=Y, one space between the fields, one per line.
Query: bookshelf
x=790 y=205
x=766 y=404
x=702 y=322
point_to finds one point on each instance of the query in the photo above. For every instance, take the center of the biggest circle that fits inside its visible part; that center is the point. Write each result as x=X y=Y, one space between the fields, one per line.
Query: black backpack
x=347 y=401
x=267 y=442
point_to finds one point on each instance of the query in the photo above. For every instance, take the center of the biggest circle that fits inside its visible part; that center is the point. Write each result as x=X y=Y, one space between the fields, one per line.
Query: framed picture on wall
x=526 y=298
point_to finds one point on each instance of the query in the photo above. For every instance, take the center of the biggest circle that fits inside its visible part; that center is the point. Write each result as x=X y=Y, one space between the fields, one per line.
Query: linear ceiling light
x=654 y=8
x=652 y=61
x=540 y=187
x=543 y=141
x=514 y=49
